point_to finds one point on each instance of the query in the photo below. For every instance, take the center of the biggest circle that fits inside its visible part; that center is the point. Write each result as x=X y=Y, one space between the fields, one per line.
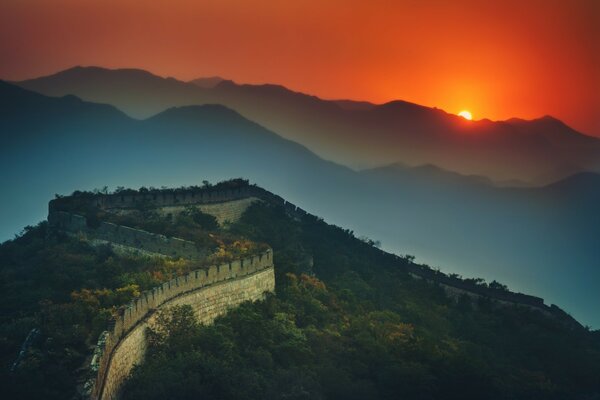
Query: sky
x=501 y=59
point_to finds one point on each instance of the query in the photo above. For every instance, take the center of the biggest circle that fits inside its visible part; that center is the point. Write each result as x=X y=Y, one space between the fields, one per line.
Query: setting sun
x=466 y=115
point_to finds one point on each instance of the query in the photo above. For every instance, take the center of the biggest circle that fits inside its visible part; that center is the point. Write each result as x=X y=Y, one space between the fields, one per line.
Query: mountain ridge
x=361 y=104
x=464 y=227
x=399 y=130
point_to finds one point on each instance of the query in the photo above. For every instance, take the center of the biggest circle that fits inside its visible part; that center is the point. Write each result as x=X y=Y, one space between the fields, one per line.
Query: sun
x=466 y=114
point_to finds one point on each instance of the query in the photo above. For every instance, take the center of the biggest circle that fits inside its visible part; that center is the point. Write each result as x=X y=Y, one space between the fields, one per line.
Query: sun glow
x=465 y=114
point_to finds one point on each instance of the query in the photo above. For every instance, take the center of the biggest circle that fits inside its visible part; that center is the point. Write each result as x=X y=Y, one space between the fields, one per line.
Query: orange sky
x=524 y=58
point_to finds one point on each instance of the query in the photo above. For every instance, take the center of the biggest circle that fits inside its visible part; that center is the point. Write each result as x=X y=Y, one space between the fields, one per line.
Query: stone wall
x=157 y=198
x=213 y=197
x=136 y=240
x=229 y=211
x=170 y=198
x=453 y=286
x=210 y=292
x=179 y=199
x=456 y=293
x=500 y=295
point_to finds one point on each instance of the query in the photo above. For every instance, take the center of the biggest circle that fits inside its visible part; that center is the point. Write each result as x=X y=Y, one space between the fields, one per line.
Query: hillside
x=540 y=151
x=347 y=321
x=66 y=284
x=529 y=238
x=356 y=331
x=47 y=136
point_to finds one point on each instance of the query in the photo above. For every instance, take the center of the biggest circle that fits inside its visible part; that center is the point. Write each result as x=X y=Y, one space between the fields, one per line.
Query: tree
x=498 y=286
x=173 y=329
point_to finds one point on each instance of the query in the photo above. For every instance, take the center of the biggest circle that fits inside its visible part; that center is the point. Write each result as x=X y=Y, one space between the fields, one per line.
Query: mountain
x=23 y=110
x=582 y=181
x=54 y=144
x=346 y=321
x=427 y=172
x=354 y=105
x=535 y=240
x=580 y=196
x=542 y=151
x=137 y=92
x=207 y=83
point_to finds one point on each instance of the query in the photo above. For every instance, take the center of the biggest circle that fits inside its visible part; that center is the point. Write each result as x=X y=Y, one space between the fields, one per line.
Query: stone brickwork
x=125 y=238
x=157 y=199
x=210 y=292
x=229 y=211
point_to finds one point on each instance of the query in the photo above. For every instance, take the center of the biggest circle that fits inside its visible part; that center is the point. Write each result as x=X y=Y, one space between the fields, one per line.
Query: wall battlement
x=209 y=291
x=502 y=295
x=155 y=198
x=224 y=204
x=170 y=198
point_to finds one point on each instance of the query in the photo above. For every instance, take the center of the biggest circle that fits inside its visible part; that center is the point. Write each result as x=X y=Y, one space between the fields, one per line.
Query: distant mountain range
x=537 y=240
x=356 y=134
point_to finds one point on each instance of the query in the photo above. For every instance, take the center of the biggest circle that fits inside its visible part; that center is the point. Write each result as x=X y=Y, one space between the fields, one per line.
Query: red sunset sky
x=524 y=58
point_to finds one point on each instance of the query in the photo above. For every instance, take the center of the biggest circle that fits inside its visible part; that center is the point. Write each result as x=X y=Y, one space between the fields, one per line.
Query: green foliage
x=235 y=183
x=174 y=327
x=204 y=221
x=69 y=291
x=364 y=330
x=347 y=322
x=498 y=286
x=189 y=224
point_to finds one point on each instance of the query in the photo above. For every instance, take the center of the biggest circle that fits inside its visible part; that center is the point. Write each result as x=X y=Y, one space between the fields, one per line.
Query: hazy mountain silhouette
x=354 y=105
x=537 y=240
x=208 y=82
x=427 y=172
x=581 y=181
x=357 y=134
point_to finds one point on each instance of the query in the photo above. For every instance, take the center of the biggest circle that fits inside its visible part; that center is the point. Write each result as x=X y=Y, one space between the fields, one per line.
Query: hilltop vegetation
x=67 y=291
x=348 y=323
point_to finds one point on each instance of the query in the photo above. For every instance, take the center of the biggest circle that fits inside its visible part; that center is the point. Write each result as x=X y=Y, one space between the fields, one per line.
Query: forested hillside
x=349 y=323
x=58 y=293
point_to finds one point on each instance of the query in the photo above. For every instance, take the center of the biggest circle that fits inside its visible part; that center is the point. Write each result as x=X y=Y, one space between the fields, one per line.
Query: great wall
x=210 y=291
